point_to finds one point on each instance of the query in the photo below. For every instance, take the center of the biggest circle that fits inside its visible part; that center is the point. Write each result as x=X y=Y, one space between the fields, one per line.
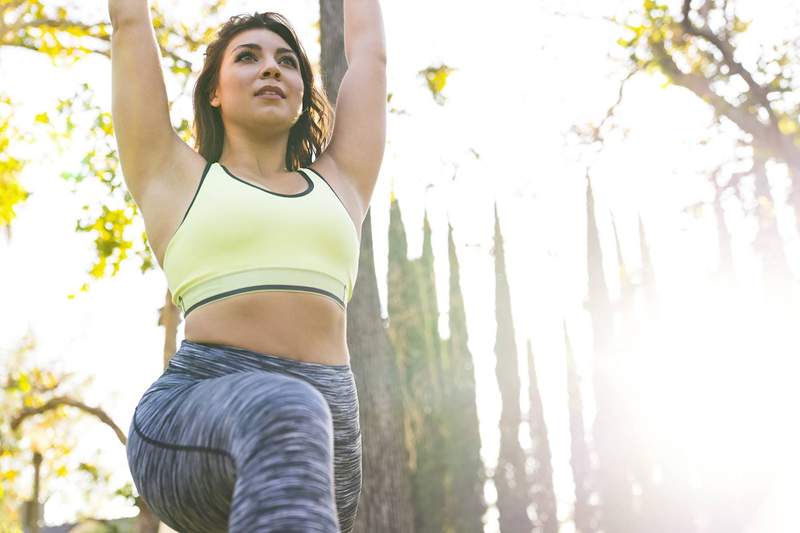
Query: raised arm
x=139 y=108
x=125 y=12
x=359 y=133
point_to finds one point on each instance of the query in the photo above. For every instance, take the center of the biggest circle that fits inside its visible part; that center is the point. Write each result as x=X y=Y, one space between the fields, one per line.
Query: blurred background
x=586 y=246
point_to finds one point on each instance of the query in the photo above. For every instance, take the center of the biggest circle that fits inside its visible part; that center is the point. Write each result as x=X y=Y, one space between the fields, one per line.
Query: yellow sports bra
x=238 y=237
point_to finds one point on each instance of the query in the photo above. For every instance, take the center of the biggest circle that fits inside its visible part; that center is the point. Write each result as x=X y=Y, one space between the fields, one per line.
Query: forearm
x=124 y=12
x=363 y=30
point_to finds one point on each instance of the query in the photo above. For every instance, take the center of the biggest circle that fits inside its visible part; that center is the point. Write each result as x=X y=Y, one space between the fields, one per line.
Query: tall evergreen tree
x=541 y=480
x=466 y=501
x=584 y=515
x=648 y=280
x=428 y=303
x=627 y=334
x=626 y=329
x=411 y=340
x=612 y=480
x=466 y=504
x=667 y=498
x=509 y=477
x=433 y=449
x=632 y=441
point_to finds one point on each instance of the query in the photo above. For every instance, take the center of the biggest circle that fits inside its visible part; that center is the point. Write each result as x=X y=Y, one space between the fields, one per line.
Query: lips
x=271 y=89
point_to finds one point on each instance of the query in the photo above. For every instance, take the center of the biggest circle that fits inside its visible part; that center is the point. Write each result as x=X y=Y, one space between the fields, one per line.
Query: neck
x=263 y=156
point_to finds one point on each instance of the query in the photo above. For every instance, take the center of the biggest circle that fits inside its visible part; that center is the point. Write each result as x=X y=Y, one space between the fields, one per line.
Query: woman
x=254 y=424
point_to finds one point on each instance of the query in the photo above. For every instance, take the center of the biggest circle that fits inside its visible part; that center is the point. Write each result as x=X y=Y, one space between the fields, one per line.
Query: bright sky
x=524 y=76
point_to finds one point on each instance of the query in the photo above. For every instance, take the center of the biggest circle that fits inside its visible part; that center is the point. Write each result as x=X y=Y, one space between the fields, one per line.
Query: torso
x=304 y=326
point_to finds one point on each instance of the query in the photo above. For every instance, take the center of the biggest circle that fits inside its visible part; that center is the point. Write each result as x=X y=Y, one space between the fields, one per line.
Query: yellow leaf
x=787 y=125
x=24 y=383
x=741 y=26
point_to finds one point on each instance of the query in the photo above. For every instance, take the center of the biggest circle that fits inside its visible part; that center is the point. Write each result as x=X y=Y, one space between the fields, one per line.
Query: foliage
x=56 y=32
x=697 y=50
x=36 y=419
x=12 y=194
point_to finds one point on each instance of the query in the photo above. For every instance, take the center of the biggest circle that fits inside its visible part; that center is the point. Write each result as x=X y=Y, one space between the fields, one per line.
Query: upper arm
x=359 y=131
x=139 y=108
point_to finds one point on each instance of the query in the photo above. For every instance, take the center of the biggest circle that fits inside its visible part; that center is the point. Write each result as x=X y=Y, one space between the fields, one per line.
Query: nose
x=271 y=66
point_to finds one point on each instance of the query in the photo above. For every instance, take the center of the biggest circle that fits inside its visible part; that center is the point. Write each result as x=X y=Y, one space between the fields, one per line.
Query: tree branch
x=701 y=87
x=66 y=400
x=727 y=52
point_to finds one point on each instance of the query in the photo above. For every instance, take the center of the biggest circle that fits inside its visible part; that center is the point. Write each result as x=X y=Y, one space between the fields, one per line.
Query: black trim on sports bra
x=301 y=288
x=352 y=222
x=303 y=193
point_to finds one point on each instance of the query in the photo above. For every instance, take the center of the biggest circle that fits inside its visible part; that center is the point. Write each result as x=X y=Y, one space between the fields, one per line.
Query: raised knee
x=292 y=398
x=299 y=392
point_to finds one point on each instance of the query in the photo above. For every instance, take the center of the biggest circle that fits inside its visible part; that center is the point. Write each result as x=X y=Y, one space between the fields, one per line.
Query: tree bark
x=385 y=503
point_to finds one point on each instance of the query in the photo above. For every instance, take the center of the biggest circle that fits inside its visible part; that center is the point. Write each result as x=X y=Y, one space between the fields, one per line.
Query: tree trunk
x=385 y=503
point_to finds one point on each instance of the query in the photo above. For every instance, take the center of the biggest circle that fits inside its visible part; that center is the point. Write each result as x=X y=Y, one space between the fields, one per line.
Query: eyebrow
x=258 y=47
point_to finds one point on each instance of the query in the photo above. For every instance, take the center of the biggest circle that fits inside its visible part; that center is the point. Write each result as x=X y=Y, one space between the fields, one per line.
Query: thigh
x=341 y=394
x=185 y=441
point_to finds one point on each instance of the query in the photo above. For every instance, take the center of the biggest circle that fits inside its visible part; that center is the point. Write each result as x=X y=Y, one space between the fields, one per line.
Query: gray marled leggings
x=227 y=439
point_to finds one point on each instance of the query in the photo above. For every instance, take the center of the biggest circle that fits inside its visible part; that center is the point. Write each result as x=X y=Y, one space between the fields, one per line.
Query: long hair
x=307 y=137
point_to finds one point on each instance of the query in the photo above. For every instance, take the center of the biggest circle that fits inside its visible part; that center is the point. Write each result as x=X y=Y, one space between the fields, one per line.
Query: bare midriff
x=296 y=325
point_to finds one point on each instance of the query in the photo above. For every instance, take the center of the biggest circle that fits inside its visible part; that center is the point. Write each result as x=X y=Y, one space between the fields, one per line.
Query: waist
x=294 y=325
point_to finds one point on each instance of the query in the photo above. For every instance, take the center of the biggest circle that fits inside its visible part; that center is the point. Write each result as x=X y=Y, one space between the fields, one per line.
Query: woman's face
x=266 y=60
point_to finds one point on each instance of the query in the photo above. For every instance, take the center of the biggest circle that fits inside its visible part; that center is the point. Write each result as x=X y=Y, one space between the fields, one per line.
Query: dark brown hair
x=307 y=137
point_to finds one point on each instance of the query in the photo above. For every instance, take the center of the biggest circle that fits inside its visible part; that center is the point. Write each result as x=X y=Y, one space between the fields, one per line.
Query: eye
x=245 y=54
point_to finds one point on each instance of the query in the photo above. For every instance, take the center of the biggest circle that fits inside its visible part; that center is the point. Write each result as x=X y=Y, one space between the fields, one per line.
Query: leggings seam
x=182 y=447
